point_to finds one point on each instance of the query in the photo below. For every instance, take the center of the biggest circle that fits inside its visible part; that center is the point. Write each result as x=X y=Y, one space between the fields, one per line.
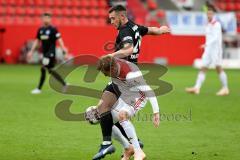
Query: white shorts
x=131 y=110
x=214 y=59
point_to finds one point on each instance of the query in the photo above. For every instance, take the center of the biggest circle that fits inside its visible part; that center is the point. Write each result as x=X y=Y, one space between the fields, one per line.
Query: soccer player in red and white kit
x=212 y=55
x=134 y=95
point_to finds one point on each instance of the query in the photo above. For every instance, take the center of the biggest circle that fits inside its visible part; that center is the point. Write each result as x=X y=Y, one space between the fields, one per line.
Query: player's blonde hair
x=106 y=63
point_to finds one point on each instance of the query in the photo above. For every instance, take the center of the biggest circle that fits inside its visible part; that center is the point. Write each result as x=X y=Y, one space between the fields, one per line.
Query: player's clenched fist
x=165 y=29
x=156 y=119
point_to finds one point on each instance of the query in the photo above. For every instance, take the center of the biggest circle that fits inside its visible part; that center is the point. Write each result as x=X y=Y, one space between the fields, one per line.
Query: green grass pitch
x=30 y=130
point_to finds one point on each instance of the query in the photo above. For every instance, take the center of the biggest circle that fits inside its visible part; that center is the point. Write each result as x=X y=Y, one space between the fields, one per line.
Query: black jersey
x=131 y=33
x=48 y=36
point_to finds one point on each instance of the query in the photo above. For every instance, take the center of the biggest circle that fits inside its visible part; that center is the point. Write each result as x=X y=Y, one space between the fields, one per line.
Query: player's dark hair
x=211 y=8
x=46 y=14
x=105 y=63
x=117 y=8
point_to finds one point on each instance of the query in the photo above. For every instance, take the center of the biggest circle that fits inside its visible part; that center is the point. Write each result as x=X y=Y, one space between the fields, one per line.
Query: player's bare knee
x=219 y=69
x=102 y=107
x=123 y=115
x=108 y=99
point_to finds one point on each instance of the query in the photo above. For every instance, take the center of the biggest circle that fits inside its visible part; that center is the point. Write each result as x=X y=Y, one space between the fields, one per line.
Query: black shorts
x=48 y=62
x=112 y=87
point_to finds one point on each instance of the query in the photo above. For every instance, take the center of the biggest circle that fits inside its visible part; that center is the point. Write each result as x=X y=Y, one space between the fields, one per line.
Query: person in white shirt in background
x=134 y=95
x=212 y=55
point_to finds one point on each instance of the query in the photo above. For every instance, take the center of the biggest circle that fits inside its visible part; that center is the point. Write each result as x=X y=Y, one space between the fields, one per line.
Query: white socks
x=223 y=79
x=106 y=142
x=131 y=133
x=200 y=79
x=117 y=135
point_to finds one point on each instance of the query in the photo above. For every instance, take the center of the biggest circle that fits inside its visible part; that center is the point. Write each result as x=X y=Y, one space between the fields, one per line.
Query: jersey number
x=138 y=38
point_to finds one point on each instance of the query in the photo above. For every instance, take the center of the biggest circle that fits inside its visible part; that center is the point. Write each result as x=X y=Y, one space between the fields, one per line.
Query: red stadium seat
x=139 y=20
x=152 y=5
x=9 y=20
x=238 y=6
x=20 y=3
x=160 y=14
x=154 y=22
x=37 y=20
x=74 y=21
x=76 y=3
x=66 y=21
x=103 y=12
x=48 y=3
x=3 y=2
x=230 y=6
x=29 y=2
x=83 y=21
x=10 y=10
x=20 y=10
x=102 y=3
x=102 y=22
x=10 y=2
x=93 y=12
x=93 y=21
x=67 y=3
x=222 y=5
x=57 y=11
x=67 y=12
x=39 y=3
x=58 y=3
x=28 y=20
x=2 y=19
x=30 y=11
x=93 y=3
x=47 y=10
x=85 y=3
x=238 y=16
x=38 y=11
x=2 y=10
x=238 y=29
x=84 y=12
x=76 y=12
x=56 y=21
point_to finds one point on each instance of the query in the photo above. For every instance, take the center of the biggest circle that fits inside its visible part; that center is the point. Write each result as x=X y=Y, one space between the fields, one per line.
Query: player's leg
x=206 y=60
x=199 y=81
x=50 y=66
x=125 y=135
x=128 y=148
x=57 y=76
x=41 y=81
x=105 y=104
x=124 y=119
x=224 y=80
x=51 y=71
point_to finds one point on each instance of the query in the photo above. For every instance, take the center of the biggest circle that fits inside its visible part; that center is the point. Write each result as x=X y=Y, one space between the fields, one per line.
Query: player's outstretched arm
x=34 y=46
x=153 y=101
x=124 y=52
x=158 y=31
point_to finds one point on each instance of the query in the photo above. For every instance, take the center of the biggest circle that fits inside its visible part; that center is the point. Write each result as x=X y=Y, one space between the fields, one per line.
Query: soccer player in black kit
x=127 y=46
x=47 y=35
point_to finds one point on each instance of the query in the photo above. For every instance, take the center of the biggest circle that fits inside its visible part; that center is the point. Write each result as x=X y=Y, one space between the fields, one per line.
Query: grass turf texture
x=30 y=130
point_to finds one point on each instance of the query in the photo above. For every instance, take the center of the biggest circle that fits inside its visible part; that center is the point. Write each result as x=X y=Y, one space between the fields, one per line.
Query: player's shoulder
x=215 y=22
x=124 y=29
x=53 y=27
x=127 y=27
x=41 y=28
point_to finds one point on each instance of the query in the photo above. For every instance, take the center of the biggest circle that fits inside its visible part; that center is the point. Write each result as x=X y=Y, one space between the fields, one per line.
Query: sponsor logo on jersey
x=134 y=56
x=48 y=32
x=44 y=37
